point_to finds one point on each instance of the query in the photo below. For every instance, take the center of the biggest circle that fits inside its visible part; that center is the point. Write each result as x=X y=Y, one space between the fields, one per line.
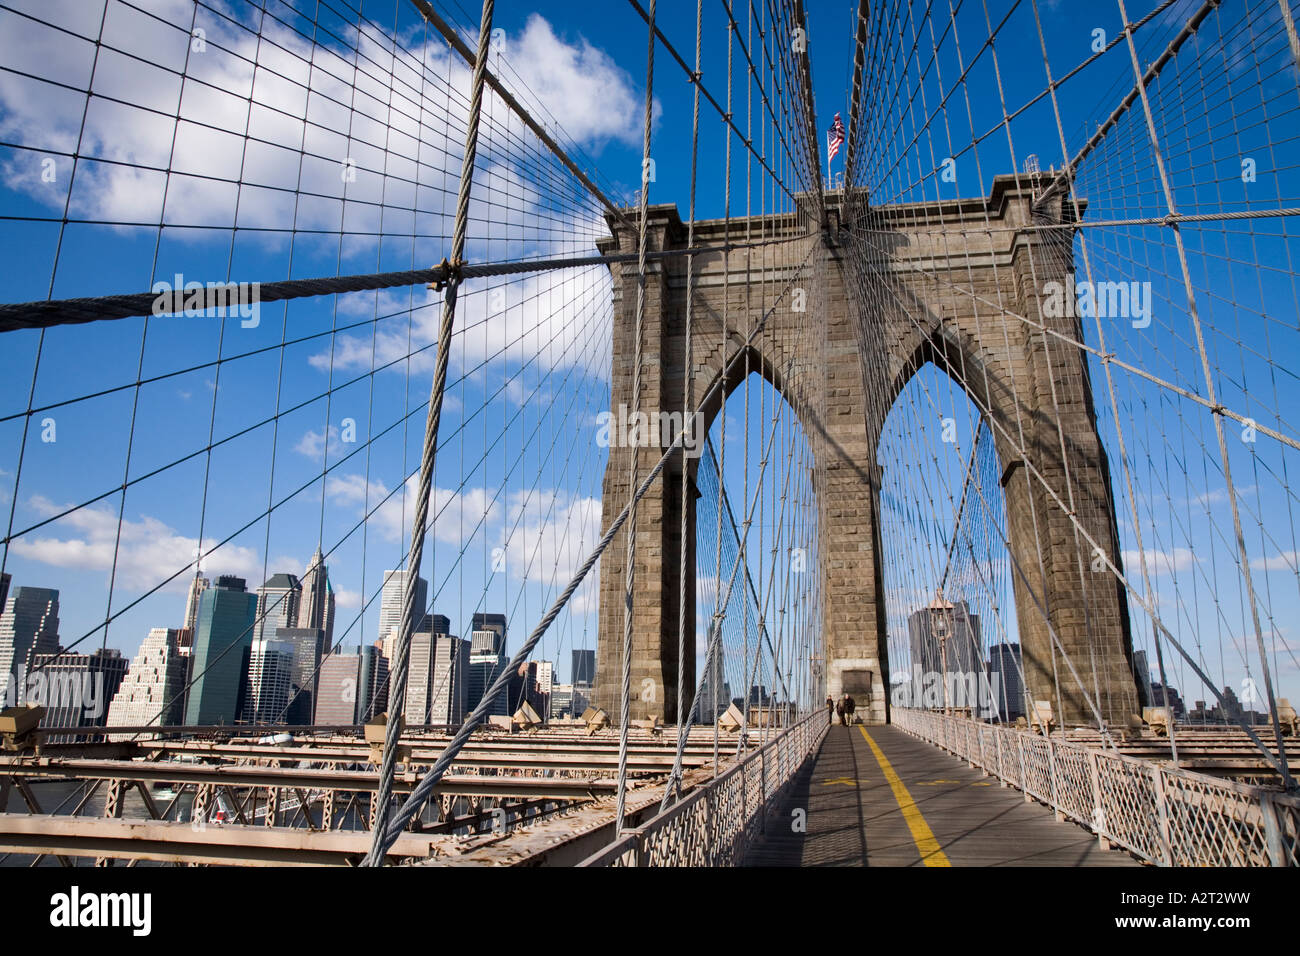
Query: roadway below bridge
x=874 y=796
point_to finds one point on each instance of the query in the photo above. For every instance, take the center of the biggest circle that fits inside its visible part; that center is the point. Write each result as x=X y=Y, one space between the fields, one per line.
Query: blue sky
x=514 y=473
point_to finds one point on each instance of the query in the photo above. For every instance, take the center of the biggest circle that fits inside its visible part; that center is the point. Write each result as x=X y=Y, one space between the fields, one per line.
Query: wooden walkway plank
x=874 y=796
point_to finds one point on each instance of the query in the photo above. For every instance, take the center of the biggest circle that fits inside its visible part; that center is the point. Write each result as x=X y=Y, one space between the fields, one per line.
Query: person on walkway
x=830 y=710
x=839 y=709
x=849 y=706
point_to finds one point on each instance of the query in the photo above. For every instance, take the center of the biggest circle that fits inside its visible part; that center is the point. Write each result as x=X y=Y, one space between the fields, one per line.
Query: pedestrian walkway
x=875 y=796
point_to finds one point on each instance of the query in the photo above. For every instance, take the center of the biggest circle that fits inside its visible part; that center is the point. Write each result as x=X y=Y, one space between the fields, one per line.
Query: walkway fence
x=715 y=824
x=1164 y=816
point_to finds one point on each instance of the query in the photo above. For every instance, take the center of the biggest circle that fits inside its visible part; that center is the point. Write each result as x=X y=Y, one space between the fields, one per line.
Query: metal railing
x=1164 y=815
x=715 y=824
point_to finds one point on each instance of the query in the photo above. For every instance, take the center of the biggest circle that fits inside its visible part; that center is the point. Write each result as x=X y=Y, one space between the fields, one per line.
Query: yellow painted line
x=922 y=835
x=847 y=781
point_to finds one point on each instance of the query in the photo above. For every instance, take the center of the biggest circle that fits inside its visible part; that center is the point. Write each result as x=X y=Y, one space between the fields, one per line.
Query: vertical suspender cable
x=397 y=683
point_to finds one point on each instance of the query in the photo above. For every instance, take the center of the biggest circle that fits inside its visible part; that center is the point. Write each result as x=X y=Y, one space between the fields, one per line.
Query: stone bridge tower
x=957 y=283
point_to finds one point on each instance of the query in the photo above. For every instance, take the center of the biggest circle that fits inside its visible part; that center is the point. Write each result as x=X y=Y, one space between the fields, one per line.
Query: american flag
x=834 y=137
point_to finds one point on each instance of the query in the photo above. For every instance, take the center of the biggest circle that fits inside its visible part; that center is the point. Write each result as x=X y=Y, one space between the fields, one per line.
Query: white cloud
x=549 y=534
x=1159 y=562
x=595 y=99
x=150 y=551
x=312 y=443
x=552 y=318
x=453 y=517
x=1283 y=561
x=354 y=114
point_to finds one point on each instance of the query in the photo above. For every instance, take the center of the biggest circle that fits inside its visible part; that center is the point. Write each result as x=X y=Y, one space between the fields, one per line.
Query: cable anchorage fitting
x=450 y=271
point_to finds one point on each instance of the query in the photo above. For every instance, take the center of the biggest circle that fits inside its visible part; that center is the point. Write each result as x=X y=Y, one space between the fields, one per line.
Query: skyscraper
x=419 y=675
x=277 y=605
x=1004 y=681
x=266 y=692
x=715 y=692
x=336 y=702
x=1142 y=672
x=223 y=637
x=487 y=658
x=450 y=680
x=28 y=626
x=584 y=667
x=75 y=689
x=372 y=684
x=317 y=608
x=944 y=640
x=391 y=601
x=352 y=686
x=153 y=690
x=197 y=587
x=309 y=649
x=436 y=691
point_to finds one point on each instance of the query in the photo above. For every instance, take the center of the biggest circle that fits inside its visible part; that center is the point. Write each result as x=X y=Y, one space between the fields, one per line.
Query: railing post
x=1098 y=812
x=998 y=734
x=1272 y=829
x=1056 y=791
x=710 y=831
x=1162 y=815
x=1024 y=776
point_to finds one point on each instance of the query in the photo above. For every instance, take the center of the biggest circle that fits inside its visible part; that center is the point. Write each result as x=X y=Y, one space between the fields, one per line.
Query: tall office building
x=317 y=606
x=197 y=587
x=338 y=689
x=545 y=681
x=437 y=689
x=28 y=626
x=491 y=622
x=277 y=605
x=715 y=693
x=1142 y=671
x=266 y=691
x=353 y=687
x=309 y=649
x=487 y=658
x=944 y=639
x=5 y=578
x=152 y=693
x=584 y=667
x=75 y=690
x=391 y=601
x=419 y=678
x=372 y=684
x=223 y=637
x=1005 y=683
